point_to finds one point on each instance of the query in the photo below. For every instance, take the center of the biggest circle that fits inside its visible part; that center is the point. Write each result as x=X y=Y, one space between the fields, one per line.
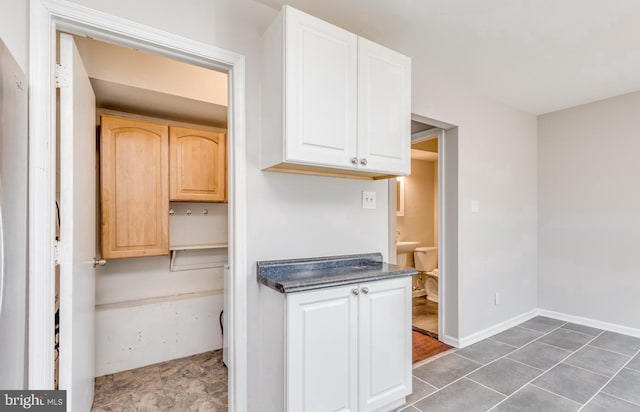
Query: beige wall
x=417 y=224
x=589 y=211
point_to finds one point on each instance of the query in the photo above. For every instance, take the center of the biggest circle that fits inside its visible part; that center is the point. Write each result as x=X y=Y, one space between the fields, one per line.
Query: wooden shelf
x=198 y=247
x=175 y=249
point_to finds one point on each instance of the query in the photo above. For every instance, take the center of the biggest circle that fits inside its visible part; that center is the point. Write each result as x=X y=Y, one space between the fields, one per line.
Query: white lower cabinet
x=345 y=348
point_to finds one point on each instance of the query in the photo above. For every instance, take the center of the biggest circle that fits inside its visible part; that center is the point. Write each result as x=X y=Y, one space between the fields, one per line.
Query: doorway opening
x=80 y=21
x=419 y=228
x=148 y=200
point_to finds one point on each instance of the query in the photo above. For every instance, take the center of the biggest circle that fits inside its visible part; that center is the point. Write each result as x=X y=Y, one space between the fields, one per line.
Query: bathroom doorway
x=417 y=222
x=418 y=227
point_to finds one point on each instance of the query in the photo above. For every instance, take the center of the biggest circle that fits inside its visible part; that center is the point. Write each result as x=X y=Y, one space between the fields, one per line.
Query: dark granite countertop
x=296 y=275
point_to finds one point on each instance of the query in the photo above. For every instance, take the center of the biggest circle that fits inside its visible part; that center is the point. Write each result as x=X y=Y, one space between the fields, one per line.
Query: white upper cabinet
x=384 y=109
x=332 y=102
x=321 y=91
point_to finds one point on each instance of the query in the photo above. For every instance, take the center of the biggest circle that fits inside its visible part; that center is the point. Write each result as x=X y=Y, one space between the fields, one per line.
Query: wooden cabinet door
x=197 y=165
x=384 y=109
x=134 y=188
x=384 y=348
x=322 y=350
x=320 y=92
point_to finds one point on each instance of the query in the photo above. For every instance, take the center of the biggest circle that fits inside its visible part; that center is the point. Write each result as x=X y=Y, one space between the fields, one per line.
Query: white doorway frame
x=47 y=17
x=439 y=130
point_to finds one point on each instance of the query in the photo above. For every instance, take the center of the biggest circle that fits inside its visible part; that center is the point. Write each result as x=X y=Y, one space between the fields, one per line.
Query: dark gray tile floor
x=540 y=365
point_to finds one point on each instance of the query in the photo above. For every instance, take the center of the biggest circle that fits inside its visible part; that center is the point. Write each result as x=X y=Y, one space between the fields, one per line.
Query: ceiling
x=130 y=99
x=537 y=56
x=142 y=83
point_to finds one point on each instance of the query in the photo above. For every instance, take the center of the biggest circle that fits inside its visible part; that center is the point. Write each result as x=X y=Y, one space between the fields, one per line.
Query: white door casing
x=77 y=228
x=47 y=16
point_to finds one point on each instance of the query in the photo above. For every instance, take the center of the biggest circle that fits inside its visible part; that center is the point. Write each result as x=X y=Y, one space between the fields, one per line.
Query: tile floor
x=540 y=365
x=195 y=383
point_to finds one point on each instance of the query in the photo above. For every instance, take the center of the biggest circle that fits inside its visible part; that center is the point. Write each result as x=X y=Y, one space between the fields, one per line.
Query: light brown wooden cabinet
x=197 y=165
x=134 y=174
x=144 y=165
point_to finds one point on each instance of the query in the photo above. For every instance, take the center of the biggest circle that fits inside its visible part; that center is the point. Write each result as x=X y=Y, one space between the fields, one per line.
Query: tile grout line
x=491 y=389
x=587 y=370
x=462 y=356
x=522 y=363
x=418 y=400
x=495 y=360
x=541 y=375
x=553 y=393
x=541 y=331
x=560 y=347
x=610 y=379
x=423 y=381
x=497 y=341
x=582 y=333
x=619 y=398
x=612 y=351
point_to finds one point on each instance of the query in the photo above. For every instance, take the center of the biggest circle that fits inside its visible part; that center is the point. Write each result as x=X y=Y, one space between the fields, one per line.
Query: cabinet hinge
x=56 y=252
x=62 y=77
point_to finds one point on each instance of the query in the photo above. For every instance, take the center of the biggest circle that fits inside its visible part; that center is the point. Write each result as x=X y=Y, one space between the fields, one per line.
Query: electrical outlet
x=475 y=206
x=368 y=200
x=496 y=300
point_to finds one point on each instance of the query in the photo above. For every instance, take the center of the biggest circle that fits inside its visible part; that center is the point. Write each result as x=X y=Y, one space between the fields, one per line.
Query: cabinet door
x=322 y=350
x=197 y=165
x=320 y=92
x=134 y=188
x=384 y=342
x=384 y=109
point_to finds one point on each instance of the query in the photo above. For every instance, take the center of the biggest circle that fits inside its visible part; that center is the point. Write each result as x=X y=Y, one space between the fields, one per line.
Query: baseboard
x=492 y=330
x=612 y=327
x=449 y=340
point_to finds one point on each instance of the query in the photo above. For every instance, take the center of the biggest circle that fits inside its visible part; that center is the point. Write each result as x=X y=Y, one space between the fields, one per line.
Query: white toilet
x=426 y=260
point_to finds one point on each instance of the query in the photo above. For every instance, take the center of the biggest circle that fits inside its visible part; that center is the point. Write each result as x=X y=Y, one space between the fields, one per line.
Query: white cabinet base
x=345 y=348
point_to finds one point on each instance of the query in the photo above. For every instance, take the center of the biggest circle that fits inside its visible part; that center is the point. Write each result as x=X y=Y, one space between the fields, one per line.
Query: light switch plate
x=368 y=200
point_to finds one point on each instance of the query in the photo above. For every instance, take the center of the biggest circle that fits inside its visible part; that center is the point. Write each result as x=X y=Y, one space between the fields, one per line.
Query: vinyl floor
x=195 y=383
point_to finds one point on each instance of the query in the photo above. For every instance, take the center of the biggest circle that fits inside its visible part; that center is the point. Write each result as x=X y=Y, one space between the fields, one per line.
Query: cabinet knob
x=354 y=160
x=355 y=291
x=365 y=290
x=363 y=162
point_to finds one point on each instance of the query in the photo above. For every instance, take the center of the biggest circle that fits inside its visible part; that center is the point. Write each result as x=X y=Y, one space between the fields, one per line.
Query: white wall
x=14 y=29
x=297 y=216
x=14 y=33
x=496 y=166
x=146 y=313
x=589 y=211
x=13 y=212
